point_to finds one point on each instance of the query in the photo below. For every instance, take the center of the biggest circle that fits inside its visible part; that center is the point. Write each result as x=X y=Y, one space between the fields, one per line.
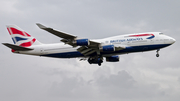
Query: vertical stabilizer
x=20 y=37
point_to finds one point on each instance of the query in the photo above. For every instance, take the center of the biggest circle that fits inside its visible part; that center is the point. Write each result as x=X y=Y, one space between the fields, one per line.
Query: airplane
x=94 y=51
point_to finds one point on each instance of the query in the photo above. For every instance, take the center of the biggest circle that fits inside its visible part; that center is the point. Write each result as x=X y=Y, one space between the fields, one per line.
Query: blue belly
x=127 y=50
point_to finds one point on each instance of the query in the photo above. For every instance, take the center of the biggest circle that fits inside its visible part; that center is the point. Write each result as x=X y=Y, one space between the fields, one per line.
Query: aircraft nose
x=173 y=40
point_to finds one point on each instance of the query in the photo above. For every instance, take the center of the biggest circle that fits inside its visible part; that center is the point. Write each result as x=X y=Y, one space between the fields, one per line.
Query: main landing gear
x=157 y=55
x=95 y=60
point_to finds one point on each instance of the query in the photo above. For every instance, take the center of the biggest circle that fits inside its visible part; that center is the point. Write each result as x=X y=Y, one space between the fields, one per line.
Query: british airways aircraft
x=91 y=50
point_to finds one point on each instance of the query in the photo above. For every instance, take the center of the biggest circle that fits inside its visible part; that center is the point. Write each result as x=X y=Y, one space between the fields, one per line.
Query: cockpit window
x=160 y=33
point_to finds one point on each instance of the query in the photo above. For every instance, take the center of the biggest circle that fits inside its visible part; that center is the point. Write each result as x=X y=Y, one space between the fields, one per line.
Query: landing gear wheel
x=90 y=60
x=157 y=55
x=95 y=60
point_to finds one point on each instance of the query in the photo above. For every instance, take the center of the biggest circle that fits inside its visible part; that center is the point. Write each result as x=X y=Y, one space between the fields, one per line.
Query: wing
x=86 y=50
x=67 y=38
x=55 y=32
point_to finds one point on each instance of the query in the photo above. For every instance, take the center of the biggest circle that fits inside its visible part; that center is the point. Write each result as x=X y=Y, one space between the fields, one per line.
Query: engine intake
x=81 y=42
x=107 y=48
x=112 y=59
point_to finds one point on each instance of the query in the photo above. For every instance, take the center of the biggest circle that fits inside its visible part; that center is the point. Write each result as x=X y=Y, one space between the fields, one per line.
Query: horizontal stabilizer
x=17 y=48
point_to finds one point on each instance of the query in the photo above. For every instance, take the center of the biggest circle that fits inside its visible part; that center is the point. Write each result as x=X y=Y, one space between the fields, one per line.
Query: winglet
x=42 y=26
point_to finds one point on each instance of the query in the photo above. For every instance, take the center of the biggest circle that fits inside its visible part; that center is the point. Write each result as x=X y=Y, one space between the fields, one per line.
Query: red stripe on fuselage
x=27 y=44
x=139 y=35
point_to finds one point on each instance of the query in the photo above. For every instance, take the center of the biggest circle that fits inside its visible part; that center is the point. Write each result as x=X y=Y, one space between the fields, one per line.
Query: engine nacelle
x=81 y=42
x=107 y=48
x=112 y=59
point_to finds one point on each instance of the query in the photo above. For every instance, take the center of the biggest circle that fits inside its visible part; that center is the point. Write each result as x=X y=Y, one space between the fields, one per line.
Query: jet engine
x=112 y=59
x=81 y=42
x=107 y=48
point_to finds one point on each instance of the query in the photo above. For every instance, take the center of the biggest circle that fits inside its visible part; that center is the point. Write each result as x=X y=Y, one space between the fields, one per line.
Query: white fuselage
x=131 y=42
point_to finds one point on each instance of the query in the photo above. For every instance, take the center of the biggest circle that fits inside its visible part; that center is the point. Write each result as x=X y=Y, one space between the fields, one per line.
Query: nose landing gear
x=157 y=55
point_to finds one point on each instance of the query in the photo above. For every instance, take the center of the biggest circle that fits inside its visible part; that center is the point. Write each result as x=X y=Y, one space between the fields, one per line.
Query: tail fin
x=20 y=37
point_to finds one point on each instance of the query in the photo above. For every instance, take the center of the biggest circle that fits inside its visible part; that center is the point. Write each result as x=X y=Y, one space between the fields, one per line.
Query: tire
x=157 y=55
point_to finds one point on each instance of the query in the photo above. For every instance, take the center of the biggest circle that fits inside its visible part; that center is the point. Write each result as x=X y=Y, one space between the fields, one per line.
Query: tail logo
x=21 y=38
x=28 y=44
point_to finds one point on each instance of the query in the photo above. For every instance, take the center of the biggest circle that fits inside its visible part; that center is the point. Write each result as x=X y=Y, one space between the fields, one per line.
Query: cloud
x=123 y=86
x=115 y=86
x=71 y=88
x=137 y=77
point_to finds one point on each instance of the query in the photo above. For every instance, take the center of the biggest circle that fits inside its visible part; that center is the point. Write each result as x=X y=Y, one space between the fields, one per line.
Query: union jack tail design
x=20 y=37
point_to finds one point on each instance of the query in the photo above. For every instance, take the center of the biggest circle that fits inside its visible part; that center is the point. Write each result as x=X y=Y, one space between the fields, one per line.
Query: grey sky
x=137 y=77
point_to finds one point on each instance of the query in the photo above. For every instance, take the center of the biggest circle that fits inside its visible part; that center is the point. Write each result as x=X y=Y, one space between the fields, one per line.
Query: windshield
x=160 y=33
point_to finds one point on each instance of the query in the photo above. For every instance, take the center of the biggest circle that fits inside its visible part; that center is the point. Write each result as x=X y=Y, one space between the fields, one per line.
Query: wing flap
x=119 y=48
x=86 y=50
x=17 y=48
x=89 y=52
